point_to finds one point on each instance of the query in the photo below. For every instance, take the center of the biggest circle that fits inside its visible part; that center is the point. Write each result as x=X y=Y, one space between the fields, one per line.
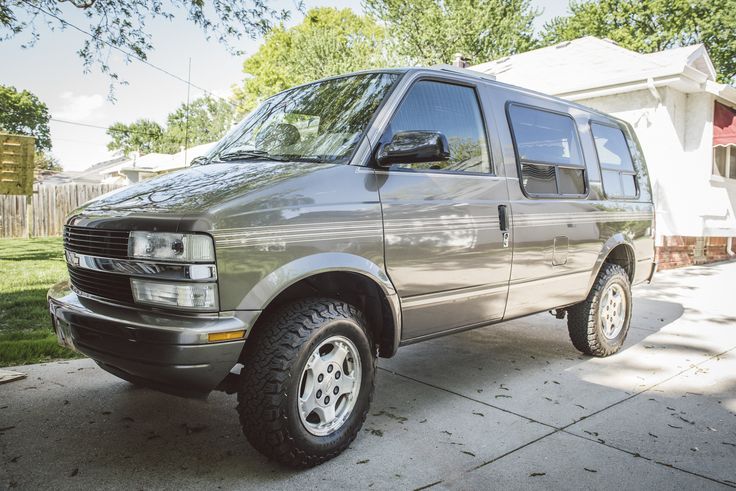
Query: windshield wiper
x=249 y=154
x=306 y=158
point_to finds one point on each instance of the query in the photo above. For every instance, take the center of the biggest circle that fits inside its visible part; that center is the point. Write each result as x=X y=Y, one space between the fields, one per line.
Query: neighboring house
x=686 y=123
x=137 y=168
x=91 y=175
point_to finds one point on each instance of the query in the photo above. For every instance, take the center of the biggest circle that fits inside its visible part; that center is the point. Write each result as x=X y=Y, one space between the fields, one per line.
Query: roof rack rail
x=463 y=71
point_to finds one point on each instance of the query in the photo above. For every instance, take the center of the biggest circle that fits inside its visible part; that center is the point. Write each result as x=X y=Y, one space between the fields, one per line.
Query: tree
x=142 y=136
x=209 y=120
x=327 y=42
x=46 y=161
x=23 y=113
x=433 y=31
x=647 y=26
x=121 y=24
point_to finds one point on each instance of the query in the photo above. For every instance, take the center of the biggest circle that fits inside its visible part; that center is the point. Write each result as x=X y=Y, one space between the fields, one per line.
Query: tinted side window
x=617 y=167
x=452 y=110
x=549 y=152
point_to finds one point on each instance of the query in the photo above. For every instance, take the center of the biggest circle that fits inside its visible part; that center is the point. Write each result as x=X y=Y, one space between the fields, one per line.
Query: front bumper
x=166 y=351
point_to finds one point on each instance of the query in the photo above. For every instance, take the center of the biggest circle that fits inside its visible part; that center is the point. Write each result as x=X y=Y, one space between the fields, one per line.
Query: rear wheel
x=307 y=381
x=599 y=325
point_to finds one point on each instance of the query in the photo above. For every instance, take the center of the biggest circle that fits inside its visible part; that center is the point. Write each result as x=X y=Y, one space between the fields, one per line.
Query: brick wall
x=677 y=251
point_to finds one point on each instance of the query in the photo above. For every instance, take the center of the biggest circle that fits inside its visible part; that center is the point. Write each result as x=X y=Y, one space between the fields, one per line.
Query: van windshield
x=319 y=122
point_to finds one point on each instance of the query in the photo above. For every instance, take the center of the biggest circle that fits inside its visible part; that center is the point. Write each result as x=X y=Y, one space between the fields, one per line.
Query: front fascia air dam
x=167 y=351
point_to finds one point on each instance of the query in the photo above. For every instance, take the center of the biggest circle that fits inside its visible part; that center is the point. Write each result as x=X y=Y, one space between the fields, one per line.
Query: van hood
x=197 y=189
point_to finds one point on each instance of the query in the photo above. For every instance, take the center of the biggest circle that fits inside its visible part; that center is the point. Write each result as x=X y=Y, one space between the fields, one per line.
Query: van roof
x=490 y=80
x=479 y=77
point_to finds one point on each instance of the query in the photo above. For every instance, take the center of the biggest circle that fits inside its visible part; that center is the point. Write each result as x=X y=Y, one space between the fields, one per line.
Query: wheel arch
x=616 y=250
x=348 y=277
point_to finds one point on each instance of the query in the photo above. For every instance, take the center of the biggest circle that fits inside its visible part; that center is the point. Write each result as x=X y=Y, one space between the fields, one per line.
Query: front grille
x=96 y=242
x=106 y=285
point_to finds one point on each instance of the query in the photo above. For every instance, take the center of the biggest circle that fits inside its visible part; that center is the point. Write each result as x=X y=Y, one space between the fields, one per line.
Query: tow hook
x=558 y=313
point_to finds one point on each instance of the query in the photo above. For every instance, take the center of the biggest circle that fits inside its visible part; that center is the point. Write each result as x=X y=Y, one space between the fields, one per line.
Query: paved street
x=512 y=406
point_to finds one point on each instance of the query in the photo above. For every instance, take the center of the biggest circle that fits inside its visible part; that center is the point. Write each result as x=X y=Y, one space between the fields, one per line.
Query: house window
x=617 y=167
x=724 y=161
x=551 y=162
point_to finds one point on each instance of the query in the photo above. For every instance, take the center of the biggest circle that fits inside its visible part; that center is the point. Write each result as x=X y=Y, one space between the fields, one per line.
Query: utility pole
x=186 y=121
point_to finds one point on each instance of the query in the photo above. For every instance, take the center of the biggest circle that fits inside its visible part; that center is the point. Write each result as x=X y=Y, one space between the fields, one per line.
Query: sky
x=53 y=71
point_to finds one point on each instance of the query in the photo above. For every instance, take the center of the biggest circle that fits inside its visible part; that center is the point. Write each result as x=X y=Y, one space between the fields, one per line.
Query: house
x=91 y=175
x=685 y=121
x=137 y=168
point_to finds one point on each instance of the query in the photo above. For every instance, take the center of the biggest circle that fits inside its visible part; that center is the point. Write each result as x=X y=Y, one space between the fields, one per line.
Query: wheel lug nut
x=337 y=374
x=327 y=399
x=329 y=369
x=319 y=394
x=320 y=378
x=335 y=390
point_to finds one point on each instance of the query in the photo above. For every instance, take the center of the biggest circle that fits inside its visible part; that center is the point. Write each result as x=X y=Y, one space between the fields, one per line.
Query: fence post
x=29 y=216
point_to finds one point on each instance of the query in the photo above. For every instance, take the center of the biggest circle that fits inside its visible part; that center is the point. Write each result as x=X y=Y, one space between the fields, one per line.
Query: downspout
x=655 y=189
x=653 y=90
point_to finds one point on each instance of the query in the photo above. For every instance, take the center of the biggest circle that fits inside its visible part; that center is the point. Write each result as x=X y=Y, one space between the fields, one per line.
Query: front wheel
x=307 y=381
x=599 y=325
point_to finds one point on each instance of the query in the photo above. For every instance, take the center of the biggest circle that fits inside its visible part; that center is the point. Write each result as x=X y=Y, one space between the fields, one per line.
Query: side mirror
x=412 y=147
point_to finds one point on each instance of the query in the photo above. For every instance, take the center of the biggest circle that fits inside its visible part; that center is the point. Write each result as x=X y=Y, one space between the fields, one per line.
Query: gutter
x=725 y=92
x=647 y=84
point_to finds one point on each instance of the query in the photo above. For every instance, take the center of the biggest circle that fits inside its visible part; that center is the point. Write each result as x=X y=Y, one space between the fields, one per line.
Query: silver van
x=345 y=218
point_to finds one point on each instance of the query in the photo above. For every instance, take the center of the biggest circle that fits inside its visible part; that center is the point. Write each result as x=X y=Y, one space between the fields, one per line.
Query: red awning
x=724 y=125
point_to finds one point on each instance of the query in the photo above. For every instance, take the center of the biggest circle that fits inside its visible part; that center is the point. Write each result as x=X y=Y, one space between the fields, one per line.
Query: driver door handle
x=503 y=221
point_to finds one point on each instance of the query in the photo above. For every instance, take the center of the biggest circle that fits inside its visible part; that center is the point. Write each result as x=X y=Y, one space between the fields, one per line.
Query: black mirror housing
x=201 y=160
x=411 y=147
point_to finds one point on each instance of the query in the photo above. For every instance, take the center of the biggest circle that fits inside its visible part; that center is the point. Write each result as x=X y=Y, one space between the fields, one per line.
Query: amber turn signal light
x=214 y=337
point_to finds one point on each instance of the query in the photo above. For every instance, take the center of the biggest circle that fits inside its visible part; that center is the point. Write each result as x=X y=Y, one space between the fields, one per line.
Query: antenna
x=186 y=121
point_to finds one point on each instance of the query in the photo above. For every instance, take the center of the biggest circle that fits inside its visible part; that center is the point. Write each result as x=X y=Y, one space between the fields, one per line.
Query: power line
x=106 y=128
x=126 y=53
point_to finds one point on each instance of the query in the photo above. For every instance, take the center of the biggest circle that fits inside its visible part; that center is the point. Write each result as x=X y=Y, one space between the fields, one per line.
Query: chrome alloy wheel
x=329 y=386
x=612 y=311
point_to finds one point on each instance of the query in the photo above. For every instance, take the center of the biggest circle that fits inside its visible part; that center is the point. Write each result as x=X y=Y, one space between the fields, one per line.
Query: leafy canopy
x=327 y=42
x=22 y=113
x=46 y=161
x=122 y=24
x=432 y=31
x=142 y=136
x=647 y=26
x=209 y=119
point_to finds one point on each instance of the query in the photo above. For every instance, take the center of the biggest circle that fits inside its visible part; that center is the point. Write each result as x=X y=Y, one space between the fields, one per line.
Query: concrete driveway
x=512 y=406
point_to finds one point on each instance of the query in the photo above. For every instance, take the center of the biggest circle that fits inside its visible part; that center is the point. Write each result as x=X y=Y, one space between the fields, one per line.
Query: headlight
x=171 y=247
x=196 y=296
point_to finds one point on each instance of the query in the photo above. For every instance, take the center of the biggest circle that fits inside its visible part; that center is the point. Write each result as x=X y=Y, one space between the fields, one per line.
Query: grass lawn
x=28 y=267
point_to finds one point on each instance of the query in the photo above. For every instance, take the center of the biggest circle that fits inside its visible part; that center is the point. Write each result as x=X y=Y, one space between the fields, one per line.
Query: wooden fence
x=51 y=204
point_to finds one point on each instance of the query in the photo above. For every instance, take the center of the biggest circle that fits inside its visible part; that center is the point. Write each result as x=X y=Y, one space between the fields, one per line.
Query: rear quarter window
x=614 y=157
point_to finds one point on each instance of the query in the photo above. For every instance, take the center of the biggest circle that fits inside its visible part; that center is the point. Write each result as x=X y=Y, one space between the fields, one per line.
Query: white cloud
x=79 y=107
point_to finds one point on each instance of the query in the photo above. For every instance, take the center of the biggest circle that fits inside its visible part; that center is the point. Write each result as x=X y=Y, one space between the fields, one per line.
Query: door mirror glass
x=411 y=147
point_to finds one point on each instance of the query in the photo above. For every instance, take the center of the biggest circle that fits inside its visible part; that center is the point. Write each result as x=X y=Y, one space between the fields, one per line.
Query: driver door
x=444 y=249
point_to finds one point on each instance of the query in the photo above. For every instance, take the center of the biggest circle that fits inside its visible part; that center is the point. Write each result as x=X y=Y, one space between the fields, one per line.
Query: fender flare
x=276 y=282
x=612 y=242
